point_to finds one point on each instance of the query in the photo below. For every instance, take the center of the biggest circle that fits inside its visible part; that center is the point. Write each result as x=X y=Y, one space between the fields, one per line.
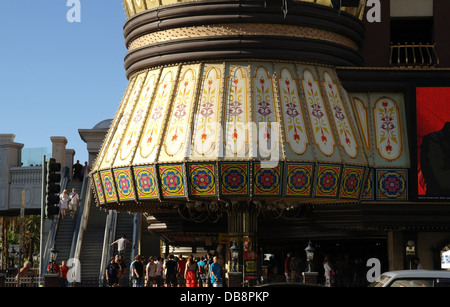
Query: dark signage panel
x=433 y=142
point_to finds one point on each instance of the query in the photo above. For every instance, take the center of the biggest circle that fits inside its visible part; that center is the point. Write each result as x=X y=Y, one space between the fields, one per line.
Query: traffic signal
x=52 y=188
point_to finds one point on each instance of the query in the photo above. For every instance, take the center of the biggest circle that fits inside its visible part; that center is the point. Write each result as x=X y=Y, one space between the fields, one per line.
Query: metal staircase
x=124 y=226
x=92 y=244
x=84 y=240
x=66 y=228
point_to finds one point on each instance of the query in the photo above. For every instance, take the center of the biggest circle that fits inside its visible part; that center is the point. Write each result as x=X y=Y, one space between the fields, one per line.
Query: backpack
x=332 y=276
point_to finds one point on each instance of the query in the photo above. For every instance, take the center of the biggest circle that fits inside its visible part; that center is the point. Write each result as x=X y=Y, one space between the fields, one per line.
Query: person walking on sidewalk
x=137 y=271
x=216 y=273
x=191 y=271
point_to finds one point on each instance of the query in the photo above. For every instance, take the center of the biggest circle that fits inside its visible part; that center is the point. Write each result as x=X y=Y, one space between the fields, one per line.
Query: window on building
x=412 y=42
x=412 y=31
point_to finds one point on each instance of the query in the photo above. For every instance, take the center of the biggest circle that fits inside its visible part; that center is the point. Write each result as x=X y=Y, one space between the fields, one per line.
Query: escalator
x=84 y=241
x=66 y=228
x=91 y=245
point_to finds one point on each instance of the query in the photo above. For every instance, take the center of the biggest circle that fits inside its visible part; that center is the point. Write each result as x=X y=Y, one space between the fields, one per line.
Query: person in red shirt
x=181 y=264
x=53 y=267
x=63 y=268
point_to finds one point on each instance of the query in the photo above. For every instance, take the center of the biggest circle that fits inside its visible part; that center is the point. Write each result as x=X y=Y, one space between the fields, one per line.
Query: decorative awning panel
x=234 y=131
x=231 y=131
x=381 y=120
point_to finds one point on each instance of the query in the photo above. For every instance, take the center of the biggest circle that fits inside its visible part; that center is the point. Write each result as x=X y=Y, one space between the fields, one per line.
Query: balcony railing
x=26 y=175
x=414 y=55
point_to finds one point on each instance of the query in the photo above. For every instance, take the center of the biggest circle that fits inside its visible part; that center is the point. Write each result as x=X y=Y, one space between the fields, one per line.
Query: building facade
x=267 y=124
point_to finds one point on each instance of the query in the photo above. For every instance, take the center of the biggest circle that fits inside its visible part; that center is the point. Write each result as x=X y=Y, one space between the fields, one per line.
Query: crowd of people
x=173 y=271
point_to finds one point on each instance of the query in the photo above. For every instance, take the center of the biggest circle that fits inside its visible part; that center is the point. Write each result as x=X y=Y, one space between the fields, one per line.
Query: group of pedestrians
x=69 y=202
x=79 y=171
x=173 y=271
x=192 y=272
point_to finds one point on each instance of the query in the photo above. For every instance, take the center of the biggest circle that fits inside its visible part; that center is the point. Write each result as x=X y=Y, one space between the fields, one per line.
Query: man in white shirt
x=122 y=245
x=74 y=202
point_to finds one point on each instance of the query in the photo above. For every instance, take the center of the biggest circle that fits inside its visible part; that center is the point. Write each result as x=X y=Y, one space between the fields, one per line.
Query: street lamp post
x=309 y=255
x=234 y=250
x=51 y=279
x=309 y=276
x=235 y=275
x=12 y=256
x=53 y=256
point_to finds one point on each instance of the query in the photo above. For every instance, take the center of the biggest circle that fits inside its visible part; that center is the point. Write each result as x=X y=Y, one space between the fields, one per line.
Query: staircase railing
x=135 y=238
x=110 y=234
x=80 y=225
x=107 y=251
x=50 y=243
x=81 y=217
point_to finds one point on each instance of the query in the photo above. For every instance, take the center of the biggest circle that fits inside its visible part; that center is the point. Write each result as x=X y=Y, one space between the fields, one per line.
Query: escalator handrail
x=55 y=222
x=84 y=202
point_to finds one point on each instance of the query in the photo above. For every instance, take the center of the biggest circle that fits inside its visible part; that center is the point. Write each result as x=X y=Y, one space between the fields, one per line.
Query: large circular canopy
x=234 y=101
x=231 y=131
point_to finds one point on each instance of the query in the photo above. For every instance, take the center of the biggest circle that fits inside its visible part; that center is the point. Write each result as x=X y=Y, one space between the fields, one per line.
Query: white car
x=413 y=278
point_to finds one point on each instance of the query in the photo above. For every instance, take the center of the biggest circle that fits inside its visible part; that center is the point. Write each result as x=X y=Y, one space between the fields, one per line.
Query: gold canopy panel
x=133 y=7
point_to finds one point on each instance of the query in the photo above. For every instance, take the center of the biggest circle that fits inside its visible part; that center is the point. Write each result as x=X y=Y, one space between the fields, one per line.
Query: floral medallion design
x=236 y=113
x=207 y=116
x=327 y=180
x=202 y=179
x=145 y=182
x=234 y=178
x=264 y=113
x=344 y=129
x=124 y=184
x=267 y=181
x=388 y=133
x=131 y=138
x=392 y=184
x=156 y=119
x=124 y=120
x=172 y=181
x=184 y=130
x=99 y=188
x=318 y=118
x=294 y=123
x=108 y=185
x=299 y=179
x=352 y=182
x=178 y=129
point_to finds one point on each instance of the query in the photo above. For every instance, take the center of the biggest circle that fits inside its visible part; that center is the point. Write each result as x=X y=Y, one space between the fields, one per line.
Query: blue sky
x=56 y=76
